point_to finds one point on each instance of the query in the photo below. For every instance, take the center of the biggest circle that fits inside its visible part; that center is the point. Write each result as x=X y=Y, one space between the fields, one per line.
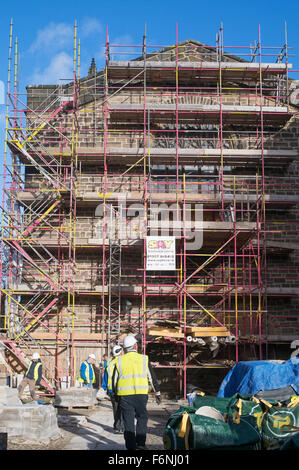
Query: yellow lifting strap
x=256 y=400
x=294 y=401
x=236 y=417
x=266 y=403
x=239 y=405
x=185 y=428
x=238 y=412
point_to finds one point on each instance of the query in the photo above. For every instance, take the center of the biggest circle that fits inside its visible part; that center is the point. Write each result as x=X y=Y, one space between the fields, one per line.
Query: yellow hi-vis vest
x=132 y=371
x=110 y=369
x=88 y=380
x=35 y=370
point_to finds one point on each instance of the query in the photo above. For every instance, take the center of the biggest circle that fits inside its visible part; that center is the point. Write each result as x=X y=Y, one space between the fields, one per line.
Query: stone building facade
x=183 y=132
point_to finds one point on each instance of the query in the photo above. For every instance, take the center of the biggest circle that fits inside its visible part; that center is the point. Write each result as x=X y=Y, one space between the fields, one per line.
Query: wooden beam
x=207 y=331
x=172 y=332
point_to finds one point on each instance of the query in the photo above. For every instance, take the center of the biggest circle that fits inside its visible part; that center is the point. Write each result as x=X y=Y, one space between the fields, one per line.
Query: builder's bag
x=207 y=400
x=279 y=423
x=187 y=430
x=237 y=405
x=291 y=443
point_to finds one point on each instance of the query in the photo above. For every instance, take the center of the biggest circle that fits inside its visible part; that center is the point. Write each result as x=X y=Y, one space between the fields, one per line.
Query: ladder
x=114 y=277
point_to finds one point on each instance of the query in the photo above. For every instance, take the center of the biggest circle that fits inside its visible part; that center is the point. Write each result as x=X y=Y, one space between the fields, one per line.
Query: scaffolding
x=186 y=141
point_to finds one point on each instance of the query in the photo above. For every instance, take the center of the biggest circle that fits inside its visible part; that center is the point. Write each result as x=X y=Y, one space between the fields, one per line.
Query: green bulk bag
x=291 y=443
x=279 y=424
x=238 y=404
x=171 y=439
x=208 y=433
x=186 y=430
x=206 y=400
x=243 y=404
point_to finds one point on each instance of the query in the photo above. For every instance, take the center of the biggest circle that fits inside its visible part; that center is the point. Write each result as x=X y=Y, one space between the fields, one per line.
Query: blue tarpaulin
x=249 y=377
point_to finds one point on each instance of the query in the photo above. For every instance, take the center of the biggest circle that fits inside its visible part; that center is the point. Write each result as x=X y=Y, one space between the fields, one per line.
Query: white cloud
x=55 y=42
x=55 y=35
x=89 y=26
x=60 y=67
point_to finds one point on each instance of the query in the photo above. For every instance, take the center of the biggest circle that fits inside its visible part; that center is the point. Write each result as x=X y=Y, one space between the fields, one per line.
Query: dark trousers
x=118 y=424
x=134 y=406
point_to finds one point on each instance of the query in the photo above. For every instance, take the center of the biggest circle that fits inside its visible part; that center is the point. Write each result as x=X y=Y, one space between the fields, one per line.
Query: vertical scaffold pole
x=185 y=296
x=262 y=221
x=221 y=120
x=6 y=317
x=105 y=188
x=145 y=183
x=179 y=292
x=236 y=272
x=287 y=64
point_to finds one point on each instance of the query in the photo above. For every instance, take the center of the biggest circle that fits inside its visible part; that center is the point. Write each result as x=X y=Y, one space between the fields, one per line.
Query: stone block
x=32 y=421
x=76 y=397
x=9 y=396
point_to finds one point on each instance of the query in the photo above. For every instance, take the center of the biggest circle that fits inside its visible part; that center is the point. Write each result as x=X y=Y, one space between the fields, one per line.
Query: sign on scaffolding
x=160 y=253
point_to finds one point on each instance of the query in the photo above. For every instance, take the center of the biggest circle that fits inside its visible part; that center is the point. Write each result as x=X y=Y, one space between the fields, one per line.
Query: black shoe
x=141 y=448
x=118 y=431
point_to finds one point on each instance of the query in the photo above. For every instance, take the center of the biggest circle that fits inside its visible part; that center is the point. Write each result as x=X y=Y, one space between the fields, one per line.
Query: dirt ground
x=92 y=429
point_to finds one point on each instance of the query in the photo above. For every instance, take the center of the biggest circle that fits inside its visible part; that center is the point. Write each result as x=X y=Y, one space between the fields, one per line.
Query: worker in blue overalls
x=104 y=373
x=87 y=375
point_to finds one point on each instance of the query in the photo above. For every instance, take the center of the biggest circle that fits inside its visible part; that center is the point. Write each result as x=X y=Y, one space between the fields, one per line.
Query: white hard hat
x=35 y=356
x=92 y=356
x=116 y=350
x=129 y=341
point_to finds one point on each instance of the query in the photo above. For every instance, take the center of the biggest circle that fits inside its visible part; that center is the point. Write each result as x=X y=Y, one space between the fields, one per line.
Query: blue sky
x=45 y=30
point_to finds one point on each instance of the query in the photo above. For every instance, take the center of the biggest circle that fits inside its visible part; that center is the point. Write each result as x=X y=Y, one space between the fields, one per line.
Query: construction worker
x=117 y=415
x=103 y=370
x=87 y=374
x=131 y=377
x=32 y=376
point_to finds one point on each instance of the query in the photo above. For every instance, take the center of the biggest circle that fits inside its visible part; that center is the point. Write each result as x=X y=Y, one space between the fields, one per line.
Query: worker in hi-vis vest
x=131 y=377
x=32 y=376
x=117 y=414
x=87 y=375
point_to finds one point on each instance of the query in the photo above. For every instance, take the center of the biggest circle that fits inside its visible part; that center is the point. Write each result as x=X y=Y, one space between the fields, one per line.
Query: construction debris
x=72 y=421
